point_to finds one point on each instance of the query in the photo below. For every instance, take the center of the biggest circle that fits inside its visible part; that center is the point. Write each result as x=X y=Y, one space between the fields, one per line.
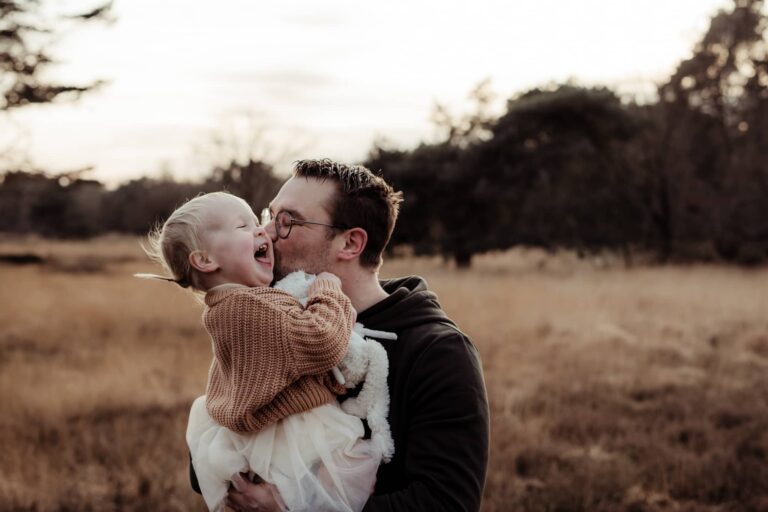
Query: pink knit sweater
x=272 y=356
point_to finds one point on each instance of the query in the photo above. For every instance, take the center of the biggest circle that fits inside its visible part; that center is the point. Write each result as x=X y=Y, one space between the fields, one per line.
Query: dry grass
x=610 y=389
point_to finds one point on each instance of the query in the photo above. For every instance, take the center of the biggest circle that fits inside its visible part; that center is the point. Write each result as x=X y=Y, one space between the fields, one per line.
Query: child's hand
x=329 y=277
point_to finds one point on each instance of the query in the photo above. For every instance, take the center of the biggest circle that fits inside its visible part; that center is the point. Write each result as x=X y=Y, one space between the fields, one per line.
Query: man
x=338 y=218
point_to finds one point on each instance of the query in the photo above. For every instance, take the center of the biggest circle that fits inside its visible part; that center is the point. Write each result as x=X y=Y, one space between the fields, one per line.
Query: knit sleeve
x=319 y=334
x=253 y=362
x=264 y=340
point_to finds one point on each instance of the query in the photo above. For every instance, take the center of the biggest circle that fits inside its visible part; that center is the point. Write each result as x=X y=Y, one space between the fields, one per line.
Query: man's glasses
x=284 y=222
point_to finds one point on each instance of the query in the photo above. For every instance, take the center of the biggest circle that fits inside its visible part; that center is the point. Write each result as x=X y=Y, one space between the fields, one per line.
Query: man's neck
x=363 y=289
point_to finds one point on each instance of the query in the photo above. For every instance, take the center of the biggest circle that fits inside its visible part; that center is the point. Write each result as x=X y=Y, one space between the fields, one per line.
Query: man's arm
x=193 y=477
x=446 y=447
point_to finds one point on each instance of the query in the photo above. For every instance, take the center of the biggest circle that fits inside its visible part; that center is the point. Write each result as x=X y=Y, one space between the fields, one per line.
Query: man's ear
x=202 y=262
x=355 y=240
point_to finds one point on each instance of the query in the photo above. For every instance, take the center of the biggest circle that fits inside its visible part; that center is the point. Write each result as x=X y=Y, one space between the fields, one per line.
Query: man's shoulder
x=433 y=335
x=438 y=327
x=437 y=354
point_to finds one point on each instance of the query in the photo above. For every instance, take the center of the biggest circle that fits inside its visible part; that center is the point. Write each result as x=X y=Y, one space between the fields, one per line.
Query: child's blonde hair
x=171 y=244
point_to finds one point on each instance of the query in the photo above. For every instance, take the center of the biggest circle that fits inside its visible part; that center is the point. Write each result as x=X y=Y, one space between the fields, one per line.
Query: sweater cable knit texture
x=273 y=356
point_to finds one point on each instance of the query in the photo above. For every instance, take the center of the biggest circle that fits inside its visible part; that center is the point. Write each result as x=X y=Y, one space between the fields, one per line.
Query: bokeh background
x=586 y=190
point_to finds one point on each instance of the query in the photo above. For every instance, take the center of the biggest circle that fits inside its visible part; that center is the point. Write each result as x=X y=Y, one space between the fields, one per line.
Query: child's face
x=239 y=246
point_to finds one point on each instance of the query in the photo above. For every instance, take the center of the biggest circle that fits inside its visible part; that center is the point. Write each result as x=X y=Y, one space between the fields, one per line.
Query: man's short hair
x=363 y=200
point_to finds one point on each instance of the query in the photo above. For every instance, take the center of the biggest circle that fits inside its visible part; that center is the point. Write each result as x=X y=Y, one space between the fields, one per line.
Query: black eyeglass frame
x=266 y=218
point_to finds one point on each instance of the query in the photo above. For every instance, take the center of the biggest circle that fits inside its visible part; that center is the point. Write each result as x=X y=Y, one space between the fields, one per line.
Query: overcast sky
x=326 y=78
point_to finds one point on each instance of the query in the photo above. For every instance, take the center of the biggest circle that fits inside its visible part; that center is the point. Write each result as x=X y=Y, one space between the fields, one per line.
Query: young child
x=270 y=405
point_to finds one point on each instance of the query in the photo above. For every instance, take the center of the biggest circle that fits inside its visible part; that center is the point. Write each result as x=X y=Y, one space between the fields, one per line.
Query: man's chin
x=278 y=273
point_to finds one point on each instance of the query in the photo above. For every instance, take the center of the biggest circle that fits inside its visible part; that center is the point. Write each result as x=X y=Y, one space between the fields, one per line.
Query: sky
x=307 y=79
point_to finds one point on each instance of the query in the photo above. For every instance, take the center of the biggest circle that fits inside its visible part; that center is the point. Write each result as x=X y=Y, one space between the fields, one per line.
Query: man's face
x=308 y=247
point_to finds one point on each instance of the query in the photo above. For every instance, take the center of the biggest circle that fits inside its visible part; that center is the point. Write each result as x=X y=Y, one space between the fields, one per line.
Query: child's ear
x=355 y=241
x=200 y=261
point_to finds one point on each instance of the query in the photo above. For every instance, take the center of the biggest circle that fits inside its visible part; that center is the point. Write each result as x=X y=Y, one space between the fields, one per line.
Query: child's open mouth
x=261 y=253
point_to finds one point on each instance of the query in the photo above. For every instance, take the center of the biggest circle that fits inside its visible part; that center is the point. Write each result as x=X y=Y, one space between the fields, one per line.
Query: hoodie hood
x=409 y=304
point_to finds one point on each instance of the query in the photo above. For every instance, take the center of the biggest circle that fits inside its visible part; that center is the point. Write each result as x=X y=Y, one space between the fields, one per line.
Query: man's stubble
x=312 y=261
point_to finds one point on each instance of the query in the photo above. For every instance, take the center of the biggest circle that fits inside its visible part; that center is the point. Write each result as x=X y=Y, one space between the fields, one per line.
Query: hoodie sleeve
x=446 y=444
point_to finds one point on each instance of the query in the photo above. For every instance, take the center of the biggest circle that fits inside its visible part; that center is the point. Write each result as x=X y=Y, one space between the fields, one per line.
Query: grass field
x=610 y=389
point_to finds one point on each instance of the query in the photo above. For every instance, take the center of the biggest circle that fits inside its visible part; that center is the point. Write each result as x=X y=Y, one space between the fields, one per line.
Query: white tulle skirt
x=317 y=459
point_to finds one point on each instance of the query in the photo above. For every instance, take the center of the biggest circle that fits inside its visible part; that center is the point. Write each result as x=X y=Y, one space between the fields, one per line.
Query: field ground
x=610 y=389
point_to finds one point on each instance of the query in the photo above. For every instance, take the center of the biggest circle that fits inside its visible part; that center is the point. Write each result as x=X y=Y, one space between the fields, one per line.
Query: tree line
x=680 y=177
x=74 y=207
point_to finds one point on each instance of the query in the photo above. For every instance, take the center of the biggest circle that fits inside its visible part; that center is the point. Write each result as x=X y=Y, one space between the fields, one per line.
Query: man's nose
x=269 y=229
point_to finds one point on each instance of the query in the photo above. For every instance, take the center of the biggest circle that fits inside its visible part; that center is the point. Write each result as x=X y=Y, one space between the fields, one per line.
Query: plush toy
x=365 y=362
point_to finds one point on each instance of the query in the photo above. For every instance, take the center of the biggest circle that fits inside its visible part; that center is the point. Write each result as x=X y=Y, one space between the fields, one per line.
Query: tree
x=469 y=128
x=433 y=217
x=710 y=171
x=554 y=171
x=443 y=208
x=252 y=180
x=26 y=33
x=51 y=205
x=242 y=155
x=559 y=167
x=136 y=206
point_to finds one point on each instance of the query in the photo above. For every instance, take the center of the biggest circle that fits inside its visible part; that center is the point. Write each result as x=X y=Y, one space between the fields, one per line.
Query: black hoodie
x=438 y=405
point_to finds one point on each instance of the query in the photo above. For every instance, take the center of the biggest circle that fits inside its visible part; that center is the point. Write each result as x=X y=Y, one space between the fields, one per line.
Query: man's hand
x=245 y=496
